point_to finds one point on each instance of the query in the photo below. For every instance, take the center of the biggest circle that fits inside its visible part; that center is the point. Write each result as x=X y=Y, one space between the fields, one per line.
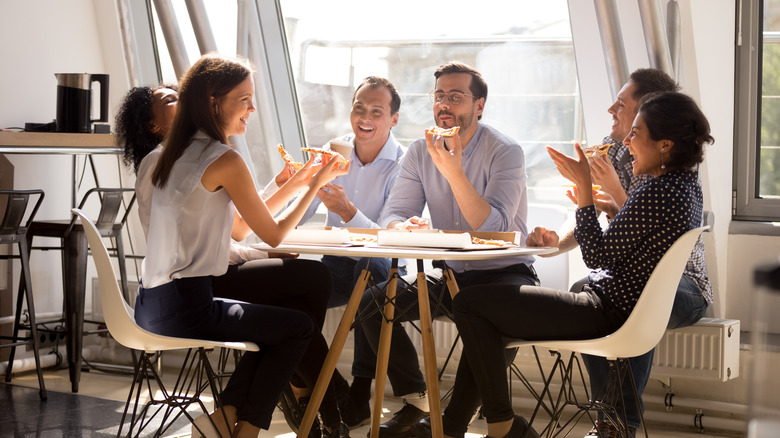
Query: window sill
x=754 y=228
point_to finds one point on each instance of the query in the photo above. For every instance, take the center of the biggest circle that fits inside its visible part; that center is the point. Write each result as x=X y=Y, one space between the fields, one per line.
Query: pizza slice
x=479 y=241
x=326 y=152
x=443 y=132
x=598 y=150
x=288 y=158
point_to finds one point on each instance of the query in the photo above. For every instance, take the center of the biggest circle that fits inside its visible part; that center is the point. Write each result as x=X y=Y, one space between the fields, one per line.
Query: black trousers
x=485 y=314
x=187 y=308
x=299 y=284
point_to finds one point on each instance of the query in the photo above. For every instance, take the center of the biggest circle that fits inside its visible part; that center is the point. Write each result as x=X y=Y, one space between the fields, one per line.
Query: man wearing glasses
x=473 y=181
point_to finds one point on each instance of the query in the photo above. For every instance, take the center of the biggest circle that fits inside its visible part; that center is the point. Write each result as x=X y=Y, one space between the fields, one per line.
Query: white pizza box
x=423 y=238
x=444 y=239
x=318 y=235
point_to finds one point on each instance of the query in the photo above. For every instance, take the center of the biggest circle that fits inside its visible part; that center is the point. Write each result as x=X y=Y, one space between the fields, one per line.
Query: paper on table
x=423 y=238
x=333 y=236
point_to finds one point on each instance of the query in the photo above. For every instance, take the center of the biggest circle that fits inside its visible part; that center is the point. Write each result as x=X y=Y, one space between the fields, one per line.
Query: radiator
x=708 y=349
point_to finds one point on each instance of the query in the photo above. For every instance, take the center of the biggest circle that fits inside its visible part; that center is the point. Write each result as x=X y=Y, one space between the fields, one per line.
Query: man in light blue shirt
x=473 y=181
x=356 y=200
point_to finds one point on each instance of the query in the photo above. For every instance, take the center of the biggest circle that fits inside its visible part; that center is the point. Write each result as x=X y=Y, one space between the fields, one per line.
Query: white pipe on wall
x=28 y=363
x=38 y=315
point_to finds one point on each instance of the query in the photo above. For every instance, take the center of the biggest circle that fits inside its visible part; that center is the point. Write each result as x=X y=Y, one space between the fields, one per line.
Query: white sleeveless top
x=190 y=227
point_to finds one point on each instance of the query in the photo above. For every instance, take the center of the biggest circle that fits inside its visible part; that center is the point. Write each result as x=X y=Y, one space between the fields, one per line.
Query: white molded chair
x=196 y=374
x=641 y=332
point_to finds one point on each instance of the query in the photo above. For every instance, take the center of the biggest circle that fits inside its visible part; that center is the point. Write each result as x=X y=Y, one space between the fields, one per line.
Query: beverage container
x=74 y=101
x=342 y=146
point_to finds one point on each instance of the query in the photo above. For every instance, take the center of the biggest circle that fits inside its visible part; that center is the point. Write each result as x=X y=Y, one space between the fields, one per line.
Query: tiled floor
x=96 y=410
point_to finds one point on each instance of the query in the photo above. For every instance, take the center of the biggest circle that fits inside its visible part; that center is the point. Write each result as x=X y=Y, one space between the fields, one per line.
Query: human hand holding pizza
x=604 y=174
x=445 y=150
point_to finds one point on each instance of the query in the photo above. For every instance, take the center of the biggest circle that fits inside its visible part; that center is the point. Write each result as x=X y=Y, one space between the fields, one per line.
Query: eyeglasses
x=453 y=98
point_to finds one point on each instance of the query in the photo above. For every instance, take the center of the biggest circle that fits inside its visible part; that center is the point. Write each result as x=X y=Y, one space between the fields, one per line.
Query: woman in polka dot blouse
x=666 y=141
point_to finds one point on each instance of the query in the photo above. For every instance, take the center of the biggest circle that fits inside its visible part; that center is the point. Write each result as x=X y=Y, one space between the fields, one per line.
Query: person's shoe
x=422 y=429
x=355 y=414
x=294 y=410
x=520 y=429
x=340 y=430
x=401 y=424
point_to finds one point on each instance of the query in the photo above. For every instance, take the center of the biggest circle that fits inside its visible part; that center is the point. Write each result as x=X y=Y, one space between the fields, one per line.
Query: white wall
x=41 y=38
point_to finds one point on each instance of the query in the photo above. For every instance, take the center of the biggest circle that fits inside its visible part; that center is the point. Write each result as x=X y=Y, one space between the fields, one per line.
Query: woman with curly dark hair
x=143 y=120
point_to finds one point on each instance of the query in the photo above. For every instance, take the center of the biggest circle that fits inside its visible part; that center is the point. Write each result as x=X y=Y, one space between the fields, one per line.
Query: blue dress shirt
x=495 y=166
x=367 y=186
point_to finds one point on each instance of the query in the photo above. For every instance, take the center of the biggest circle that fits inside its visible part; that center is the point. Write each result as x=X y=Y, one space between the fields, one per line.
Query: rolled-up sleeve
x=407 y=197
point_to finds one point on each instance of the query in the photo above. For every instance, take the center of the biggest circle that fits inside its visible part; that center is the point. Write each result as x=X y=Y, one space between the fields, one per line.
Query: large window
x=757 y=152
x=523 y=49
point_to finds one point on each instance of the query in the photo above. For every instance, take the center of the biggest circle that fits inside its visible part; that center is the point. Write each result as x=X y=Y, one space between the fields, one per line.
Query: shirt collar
x=390 y=149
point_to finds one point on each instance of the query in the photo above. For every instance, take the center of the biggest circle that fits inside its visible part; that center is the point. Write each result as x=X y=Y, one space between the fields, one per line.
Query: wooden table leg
x=452 y=285
x=336 y=346
x=383 y=352
x=429 y=353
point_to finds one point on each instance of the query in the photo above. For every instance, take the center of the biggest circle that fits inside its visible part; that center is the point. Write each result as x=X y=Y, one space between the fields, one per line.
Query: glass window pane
x=769 y=151
x=523 y=49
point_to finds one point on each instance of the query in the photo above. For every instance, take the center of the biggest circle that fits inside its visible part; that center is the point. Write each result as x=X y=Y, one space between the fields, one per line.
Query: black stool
x=13 y=232
x=74 y=264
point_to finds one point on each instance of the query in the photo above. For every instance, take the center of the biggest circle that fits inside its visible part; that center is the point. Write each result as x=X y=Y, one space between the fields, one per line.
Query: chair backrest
x=553 y=272
x=14 y=212
x=119 y=315
x=646 y=325
x=111 y=200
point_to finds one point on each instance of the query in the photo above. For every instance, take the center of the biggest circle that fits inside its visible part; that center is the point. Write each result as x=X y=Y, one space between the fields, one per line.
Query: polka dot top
x=623 y=256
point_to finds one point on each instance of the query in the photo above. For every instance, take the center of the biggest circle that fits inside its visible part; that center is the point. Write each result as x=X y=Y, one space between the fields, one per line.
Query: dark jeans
x=294 y=284
x=187 y=308
x=486 y=314
x=345 y=273
x=403 y=368
x=689 y=307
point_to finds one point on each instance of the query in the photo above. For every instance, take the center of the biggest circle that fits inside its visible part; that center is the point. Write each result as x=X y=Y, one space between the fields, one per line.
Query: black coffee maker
x=74 y=101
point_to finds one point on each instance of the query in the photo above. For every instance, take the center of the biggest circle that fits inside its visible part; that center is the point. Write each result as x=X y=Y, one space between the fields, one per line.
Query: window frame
x=747 y=205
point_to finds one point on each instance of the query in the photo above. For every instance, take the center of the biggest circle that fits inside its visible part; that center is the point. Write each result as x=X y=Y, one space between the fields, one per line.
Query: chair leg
x=15 y=335
x=31 y=308
x=195 y=376
x=25 y=292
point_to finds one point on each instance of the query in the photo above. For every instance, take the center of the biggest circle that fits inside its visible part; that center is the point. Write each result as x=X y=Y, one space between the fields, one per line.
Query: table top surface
x=57 y=143
x=404 y=252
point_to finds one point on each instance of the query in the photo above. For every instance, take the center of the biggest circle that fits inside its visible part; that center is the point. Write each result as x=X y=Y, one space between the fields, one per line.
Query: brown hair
x=212 y=76
x=376 y=82
x=478 y=87
x=651 y=80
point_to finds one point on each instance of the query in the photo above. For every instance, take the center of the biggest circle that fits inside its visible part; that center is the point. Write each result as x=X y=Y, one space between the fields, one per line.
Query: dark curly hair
x=132 y=125
x=674 y=116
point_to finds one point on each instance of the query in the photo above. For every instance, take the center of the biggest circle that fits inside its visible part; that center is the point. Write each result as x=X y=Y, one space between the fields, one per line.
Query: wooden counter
x=56 y=143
